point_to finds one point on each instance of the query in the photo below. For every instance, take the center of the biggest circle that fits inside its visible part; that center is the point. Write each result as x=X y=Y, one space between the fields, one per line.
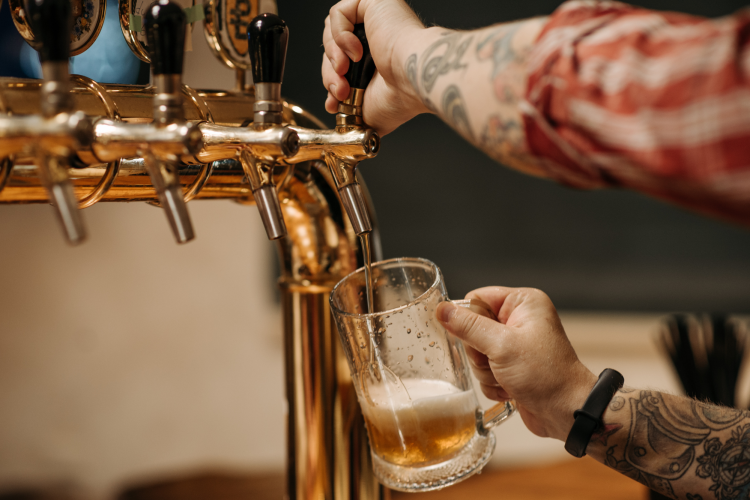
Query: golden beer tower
x=73 y=142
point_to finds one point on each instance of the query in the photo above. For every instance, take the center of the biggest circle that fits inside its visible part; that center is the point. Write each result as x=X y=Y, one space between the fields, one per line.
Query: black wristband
x=589 y=418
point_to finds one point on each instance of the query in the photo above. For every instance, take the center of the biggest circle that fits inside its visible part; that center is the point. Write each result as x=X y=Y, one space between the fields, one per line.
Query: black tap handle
x=360 y=72
x=268 y=37
x=165 y=24
x=52 y=23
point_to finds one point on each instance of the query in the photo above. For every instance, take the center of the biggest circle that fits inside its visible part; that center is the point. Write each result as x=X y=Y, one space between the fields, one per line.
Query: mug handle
x=487 y=419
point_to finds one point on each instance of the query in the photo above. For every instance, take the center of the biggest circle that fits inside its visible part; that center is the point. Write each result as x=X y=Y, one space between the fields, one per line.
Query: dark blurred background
x=438 y=197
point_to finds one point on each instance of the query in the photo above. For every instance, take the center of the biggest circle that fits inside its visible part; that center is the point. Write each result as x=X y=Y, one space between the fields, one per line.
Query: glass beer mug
x=412 y=378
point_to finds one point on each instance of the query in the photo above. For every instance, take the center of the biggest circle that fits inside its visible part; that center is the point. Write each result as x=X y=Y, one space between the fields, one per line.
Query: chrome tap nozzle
x=53 y=19
x=268 y=37
x=164 y=23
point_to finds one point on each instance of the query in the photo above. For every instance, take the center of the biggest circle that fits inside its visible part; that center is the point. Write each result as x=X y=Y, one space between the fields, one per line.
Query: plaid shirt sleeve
x=653 y=101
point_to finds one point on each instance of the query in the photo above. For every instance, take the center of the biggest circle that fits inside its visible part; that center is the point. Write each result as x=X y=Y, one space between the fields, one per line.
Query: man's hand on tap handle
x=390 y=24
x=433 y=70
x=563 y=97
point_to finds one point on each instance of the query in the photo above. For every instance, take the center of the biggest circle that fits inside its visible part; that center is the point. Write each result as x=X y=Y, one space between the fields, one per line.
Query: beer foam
x=422 y=393
x=428 y=401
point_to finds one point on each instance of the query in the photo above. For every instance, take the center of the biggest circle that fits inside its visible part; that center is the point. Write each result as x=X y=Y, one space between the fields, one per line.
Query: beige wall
x=133 y=356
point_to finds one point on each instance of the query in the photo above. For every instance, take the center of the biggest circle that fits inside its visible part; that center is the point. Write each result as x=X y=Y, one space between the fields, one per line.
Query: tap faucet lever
x=268 y=37
x=53 y=20
x=358 y=75
x=349 y=117
x=164 y=23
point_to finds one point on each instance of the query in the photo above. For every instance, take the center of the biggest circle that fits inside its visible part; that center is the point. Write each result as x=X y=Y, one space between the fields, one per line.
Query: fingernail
x=445 y=312
x=332 y=89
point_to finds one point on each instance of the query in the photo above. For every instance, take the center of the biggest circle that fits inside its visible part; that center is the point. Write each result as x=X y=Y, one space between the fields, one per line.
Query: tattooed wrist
x=677 y=446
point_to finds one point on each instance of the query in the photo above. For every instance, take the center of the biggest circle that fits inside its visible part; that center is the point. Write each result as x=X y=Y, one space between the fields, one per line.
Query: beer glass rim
x=406 y=260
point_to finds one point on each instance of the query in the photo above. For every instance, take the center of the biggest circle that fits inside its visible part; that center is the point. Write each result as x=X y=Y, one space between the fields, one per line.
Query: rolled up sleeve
x=653 y=101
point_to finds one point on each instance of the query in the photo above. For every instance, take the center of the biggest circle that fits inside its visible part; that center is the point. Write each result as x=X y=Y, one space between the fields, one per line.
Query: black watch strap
x=589 y=418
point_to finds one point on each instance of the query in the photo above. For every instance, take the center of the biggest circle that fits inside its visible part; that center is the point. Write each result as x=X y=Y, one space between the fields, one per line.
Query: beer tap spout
x=58 y=131
x=268 y=37
x=349 y=117
x=165 y=24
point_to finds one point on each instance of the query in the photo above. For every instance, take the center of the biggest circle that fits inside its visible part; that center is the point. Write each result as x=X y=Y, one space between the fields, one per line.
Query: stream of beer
x=367 y=253
x=373 y=367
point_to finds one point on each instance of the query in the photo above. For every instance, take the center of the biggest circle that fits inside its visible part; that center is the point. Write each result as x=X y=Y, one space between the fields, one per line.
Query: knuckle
x=536 y=293
x=325 y=71
x=489 y=391
x=485 y=376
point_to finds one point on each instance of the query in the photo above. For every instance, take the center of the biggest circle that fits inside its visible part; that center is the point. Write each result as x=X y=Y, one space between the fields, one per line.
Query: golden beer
x=430 y=425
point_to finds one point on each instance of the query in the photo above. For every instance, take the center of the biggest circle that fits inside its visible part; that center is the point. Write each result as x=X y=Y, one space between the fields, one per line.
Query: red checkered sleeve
x=658 y=102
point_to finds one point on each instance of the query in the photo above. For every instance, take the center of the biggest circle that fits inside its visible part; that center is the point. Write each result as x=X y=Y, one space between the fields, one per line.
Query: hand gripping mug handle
x=487 y=419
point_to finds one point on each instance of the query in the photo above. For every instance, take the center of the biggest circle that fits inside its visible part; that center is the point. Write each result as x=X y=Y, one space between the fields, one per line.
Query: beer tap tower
x=75 y=142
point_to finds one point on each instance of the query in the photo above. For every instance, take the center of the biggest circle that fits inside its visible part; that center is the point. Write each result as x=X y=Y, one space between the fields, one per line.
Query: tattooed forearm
x=677 y=446
x=411 y=71
x=617 y=403
x=454 y=110
x=498 y=46
x=474 y=81
x=727 y=464
x=411 y=74
x=602 y=434
x=442 y=57
x=626 y=468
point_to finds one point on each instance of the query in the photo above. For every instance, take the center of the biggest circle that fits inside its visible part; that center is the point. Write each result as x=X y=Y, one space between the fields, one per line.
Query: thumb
x=480 y=332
